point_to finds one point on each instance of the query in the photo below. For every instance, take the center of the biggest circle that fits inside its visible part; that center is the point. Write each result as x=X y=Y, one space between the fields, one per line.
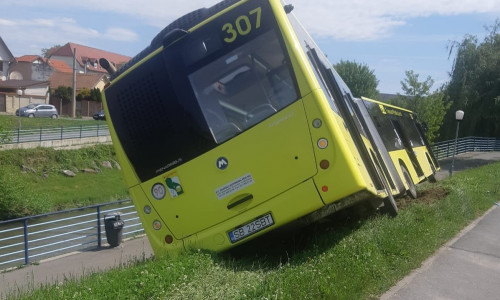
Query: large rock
x=68 y=173
x=107 y=164
x=117 y=165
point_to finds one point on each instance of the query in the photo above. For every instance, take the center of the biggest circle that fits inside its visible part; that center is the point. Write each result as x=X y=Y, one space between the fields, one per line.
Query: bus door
x=407 y=144
x=421 y=131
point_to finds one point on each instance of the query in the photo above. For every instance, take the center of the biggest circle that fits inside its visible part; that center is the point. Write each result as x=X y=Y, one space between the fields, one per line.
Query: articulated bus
x=405 y=140
x=233 y=123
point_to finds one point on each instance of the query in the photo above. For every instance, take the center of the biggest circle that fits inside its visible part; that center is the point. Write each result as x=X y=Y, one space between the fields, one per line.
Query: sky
x=389 y=36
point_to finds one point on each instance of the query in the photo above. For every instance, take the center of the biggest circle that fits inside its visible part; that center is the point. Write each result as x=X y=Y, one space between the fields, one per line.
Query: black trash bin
x=113 y=224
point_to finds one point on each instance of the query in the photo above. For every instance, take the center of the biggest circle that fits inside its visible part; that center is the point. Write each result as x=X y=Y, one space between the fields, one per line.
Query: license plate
x=251 y=228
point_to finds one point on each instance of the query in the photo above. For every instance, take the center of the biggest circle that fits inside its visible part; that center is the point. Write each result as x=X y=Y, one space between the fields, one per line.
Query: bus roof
x=388 y=105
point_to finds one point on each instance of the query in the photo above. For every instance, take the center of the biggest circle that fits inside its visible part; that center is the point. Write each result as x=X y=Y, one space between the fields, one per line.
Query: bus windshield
x=243 y=87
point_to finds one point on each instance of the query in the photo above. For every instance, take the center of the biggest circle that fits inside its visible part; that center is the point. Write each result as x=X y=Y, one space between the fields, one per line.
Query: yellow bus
x=233 y=123
x=405 y=140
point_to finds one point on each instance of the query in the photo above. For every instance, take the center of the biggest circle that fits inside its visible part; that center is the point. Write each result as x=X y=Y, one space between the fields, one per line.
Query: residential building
x=84 y=108
x=6 y=58
x=87 y=58
x=32 y=91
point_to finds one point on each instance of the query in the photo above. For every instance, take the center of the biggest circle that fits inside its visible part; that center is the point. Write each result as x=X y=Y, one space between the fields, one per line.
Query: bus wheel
x=412 y=190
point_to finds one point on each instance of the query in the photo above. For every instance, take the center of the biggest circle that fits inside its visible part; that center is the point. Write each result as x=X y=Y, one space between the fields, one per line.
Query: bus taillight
x=169 y=239
x=324 y=164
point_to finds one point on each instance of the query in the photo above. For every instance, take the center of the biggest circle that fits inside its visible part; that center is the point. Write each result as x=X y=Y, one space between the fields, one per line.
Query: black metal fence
x=468 y=144
x=55 y=133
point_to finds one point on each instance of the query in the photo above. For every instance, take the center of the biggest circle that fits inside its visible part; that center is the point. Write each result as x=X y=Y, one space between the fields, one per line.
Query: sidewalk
x=73 y=265
x=467 y=267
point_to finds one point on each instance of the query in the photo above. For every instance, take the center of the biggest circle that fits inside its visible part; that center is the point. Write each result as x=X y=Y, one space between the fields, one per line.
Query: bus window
x=244 y=87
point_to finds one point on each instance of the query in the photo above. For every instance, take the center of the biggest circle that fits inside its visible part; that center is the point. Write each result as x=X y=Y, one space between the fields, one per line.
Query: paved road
x=73 y=265
x=466 y=161
x=467 y=267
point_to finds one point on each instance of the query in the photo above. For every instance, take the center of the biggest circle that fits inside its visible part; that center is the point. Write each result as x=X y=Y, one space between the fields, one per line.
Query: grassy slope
x=42 y=188
x=339 y=259
x=9 y=122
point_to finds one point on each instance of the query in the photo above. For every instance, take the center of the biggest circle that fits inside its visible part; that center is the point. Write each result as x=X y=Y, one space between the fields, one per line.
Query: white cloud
x=120 y=34
x=362 y=19
x=340 y=19
x=345 y=19
x=4 y=22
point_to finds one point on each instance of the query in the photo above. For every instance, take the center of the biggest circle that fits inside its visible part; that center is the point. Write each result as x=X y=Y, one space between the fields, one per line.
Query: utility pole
x=73 y=94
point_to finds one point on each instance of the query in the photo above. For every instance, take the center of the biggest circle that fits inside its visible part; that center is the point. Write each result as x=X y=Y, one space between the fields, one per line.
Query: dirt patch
x=427 y=196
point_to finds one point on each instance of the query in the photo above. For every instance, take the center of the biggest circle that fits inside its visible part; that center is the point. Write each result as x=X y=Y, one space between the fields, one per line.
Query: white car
x=39 y=111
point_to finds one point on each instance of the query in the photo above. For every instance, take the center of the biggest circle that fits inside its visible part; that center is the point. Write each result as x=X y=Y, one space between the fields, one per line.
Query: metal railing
x=55 y=133
x=30 y=239
x=468 y=144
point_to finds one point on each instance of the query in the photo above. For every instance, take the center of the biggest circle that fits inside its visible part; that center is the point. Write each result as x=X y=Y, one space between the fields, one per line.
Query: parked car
x=99 y=115
x=38 y=110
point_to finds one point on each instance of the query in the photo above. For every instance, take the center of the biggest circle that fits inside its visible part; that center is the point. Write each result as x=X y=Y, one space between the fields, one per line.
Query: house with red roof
x=35 y=67
x=87 y=58
x=35 y=76
x=88 y=81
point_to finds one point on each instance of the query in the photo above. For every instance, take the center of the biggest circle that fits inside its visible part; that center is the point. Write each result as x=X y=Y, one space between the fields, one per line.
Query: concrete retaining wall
x=60 y=144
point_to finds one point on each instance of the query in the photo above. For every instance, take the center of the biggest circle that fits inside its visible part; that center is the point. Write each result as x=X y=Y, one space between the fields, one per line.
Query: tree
x=89 y=94
x=359 y=78
x=63 y=93
x=430 y=107
x=475 y=85
x=414 y=89
x=46 y=52
x=84 y=94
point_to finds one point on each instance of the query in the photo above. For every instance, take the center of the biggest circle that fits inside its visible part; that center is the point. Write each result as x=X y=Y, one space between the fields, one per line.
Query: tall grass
x=341 y=258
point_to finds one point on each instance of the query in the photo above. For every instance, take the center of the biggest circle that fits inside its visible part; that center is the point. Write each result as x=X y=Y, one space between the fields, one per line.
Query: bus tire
x=412 y=190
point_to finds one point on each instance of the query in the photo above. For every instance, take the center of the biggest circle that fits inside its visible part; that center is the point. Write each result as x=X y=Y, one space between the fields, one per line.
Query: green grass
x=11 y=122
x=82 y=190
x=344 y=258
x=31 y=181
